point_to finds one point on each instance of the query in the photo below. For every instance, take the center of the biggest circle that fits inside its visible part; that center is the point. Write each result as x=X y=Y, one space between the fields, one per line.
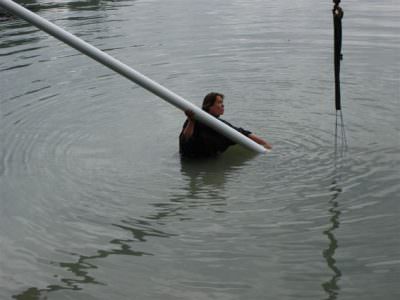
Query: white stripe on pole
x=130 y=73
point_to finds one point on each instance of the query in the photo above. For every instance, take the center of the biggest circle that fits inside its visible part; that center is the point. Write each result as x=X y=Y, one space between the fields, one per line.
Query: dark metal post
x=337 y=26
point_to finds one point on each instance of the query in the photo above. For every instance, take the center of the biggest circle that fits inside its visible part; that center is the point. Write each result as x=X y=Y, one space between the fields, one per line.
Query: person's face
x=217 y=108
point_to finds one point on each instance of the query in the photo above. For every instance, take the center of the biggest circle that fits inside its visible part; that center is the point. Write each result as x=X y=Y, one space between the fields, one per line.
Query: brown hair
x=209 y=100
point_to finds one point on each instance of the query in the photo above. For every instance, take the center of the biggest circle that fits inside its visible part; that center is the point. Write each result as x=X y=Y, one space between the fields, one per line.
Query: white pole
x=130 y=73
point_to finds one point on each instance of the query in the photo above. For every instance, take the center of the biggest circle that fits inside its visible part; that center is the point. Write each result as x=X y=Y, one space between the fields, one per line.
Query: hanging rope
x=337 y=26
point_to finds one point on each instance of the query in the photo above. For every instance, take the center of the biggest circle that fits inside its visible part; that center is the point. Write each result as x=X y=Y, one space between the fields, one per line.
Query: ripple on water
x=92 y=195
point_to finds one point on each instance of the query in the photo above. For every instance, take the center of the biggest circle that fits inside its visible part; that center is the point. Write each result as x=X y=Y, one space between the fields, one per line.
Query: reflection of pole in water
x=331 y=287
x=199 y=174
x=140 y=230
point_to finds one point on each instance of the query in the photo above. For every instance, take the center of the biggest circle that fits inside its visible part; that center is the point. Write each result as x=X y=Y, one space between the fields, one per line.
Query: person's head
x=213 y=103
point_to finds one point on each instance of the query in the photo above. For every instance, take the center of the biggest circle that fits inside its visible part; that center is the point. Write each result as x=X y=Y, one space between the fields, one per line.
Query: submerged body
x=199 y=140
x=205 y=141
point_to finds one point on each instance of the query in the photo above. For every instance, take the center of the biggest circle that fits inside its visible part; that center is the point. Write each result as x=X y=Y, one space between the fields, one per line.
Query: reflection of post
x=85 y=263
x=206 y=175
x=331 y=286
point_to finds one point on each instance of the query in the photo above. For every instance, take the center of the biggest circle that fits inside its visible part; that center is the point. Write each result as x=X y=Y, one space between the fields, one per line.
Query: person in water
x=199 y=140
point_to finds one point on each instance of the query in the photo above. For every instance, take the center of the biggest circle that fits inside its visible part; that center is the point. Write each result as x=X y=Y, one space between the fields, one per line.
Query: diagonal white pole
x=130 y=73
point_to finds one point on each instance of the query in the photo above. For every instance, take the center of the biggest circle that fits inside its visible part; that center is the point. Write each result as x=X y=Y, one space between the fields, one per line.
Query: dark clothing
x=205 y=141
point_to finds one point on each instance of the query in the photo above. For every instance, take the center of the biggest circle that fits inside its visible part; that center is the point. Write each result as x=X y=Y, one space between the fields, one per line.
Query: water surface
x=96 y=203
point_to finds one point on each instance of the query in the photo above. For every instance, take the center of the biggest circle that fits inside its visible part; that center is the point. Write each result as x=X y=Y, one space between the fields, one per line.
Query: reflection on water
x=331 y=287
x=22 y=33
x=91 y=5
x=214 y=171
x=205 y=182
x=91 y=203
x=139 y=230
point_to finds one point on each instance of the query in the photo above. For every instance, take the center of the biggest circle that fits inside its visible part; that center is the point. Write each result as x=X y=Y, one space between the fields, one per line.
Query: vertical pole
x=337 y=26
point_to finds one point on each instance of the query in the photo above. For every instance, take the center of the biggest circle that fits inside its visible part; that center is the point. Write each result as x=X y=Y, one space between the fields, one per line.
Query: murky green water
x=95 y=202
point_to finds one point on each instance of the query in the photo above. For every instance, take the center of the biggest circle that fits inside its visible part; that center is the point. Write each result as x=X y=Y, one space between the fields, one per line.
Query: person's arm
x=260 y=141
x=251 y=136
x=189 y=128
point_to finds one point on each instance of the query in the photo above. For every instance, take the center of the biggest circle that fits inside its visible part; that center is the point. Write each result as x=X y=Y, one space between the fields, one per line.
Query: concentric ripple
x=96 y=202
